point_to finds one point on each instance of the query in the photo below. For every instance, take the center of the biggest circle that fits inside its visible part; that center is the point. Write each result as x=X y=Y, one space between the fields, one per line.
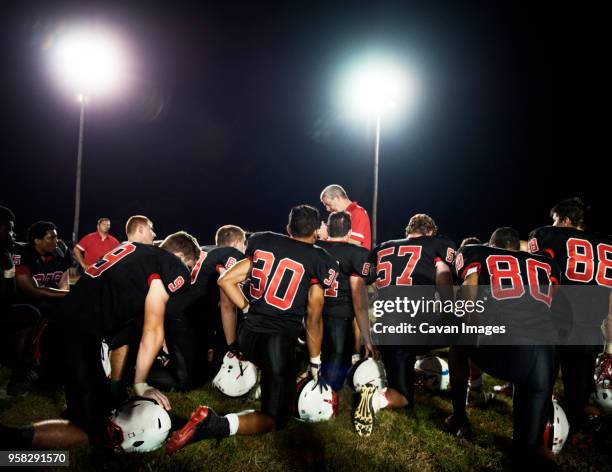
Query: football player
x=41 y=265
x=131 y=280
x=422 y=258
x=519 y=290
x=18 y=321
x=197 y=314
x=139 y=229
x=344 y=300
x=288 y=276
x=585 y=259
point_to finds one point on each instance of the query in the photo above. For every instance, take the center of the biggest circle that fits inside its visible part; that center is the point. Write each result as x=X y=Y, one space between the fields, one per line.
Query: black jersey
x=584 y=258
x=518 y=289
x=112 y=292
x=283 y=270
x=204 y=275
x=411 y=261
x=47 y=270
x=352 y=261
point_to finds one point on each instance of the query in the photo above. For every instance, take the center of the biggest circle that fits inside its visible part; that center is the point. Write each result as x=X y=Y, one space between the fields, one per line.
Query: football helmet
x=236 y=376
x=367 y=371
x=314 y=403
x=557 y=429
x=603 y=381
x=139 y=425
x=431 y=373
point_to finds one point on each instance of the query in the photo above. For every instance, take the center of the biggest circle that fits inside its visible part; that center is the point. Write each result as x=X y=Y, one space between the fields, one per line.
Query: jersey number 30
x=262 y=283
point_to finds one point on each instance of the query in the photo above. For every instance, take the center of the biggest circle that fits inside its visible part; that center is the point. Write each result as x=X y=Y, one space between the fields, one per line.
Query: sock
x=380 y=400
x=232 y=418
x=476 y=383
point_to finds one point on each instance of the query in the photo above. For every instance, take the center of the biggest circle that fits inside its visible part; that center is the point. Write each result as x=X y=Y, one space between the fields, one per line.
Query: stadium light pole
x=86 y=61
x=373 y=89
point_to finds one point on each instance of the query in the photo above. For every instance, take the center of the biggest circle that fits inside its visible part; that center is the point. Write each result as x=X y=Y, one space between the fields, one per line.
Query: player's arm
x=29 y=287
x=469 y=288
x=444 y=281
x=606 y=327
x=151 y=341
x=360 y=306
x=64 y=283
x=228 y=318
x=78 y=255
x=229 y=280
x=314 y=320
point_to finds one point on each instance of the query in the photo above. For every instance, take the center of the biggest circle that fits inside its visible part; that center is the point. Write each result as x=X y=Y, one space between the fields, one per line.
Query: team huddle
x=267 y=308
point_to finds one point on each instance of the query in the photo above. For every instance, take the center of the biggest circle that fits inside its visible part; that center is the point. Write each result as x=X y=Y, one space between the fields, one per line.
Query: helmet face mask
x=367 y=372
x=139 y=425
x=236 y=377
x=431 y=373
x=313 y=404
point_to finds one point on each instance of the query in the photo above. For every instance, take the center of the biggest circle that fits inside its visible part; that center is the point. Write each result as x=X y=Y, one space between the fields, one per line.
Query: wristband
x=10 y=273
x=141 y=388
x=245 y=310
x=608 y=349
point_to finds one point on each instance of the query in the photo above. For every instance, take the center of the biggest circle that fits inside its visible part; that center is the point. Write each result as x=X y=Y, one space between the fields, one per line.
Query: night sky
x=230 y=116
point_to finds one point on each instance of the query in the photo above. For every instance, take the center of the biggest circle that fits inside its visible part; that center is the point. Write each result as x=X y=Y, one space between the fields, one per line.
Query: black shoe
x=458 y=427
x=204 y=423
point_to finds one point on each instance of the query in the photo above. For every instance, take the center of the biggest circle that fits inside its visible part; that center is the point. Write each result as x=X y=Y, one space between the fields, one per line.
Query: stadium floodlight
x=88 y=62
x=372 y=88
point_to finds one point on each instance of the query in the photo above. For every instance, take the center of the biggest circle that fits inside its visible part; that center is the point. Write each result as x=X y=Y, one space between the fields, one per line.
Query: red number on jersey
x=261 y=274
x=332 y=290
x=415 y=254
x=178 y=283
x=580 y=266
x=385 y=267
x=503 y=268
x=297 y=272
x=110 y=259
x=535 y=288
x=604 y=270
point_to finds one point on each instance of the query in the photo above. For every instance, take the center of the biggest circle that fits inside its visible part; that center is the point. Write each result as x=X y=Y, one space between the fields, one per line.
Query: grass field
x=400 y=441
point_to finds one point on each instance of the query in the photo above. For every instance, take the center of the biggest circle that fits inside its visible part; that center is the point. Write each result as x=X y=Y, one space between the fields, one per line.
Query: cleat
x=364 y=415
x=505 y=389
x=478 y=398
x=458 y=428
x=183 y=436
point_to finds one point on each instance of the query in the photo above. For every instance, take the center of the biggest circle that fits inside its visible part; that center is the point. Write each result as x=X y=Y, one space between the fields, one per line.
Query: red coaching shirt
x=360 y=225
x=95 y=247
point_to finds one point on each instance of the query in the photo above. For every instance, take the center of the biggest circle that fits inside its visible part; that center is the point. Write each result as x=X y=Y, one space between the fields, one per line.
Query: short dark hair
x=338 y=224
x=134 y=222
x=303 y=221
x=506 y=238
x=39 y=229
x=6 y=214
x=573 y=209
x=182 y=242
x=470 y=240
x=422 y=224
x=228 y=234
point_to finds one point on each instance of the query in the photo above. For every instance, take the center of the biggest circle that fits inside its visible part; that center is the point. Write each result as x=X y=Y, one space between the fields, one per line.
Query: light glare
x=87 y=62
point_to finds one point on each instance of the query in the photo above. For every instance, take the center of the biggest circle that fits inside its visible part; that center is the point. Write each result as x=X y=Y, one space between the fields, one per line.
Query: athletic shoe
x=478 y=398
x=505 y=389
x=459 y=428
x=204 y=423
x=365 y=416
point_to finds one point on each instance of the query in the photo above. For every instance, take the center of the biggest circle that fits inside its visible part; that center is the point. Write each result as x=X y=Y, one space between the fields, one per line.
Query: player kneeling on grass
x=130 y=280
x=287 y=278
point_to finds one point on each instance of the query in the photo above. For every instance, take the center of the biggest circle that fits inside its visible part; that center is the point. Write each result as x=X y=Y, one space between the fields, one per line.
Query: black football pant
x=531 y=370
x=399 y=366
x=336 y=350
x=274 y=354
x=577 y=365
x=88 y=393
x=18 y=324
